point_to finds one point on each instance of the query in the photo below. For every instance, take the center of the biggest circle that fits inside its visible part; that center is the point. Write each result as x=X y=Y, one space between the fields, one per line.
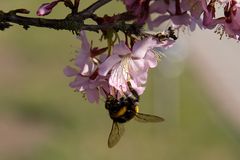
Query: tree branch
x=26 y=22
x=73 y=23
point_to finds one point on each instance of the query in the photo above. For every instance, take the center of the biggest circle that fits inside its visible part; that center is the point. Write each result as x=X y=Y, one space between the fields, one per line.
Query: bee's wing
x=115 y=134
x=141 y=117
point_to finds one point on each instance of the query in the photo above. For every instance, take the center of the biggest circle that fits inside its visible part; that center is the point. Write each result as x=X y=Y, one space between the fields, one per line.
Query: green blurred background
x=41 y=118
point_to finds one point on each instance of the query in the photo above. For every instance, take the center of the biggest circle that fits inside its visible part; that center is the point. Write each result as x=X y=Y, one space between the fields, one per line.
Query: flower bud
x=46 y=8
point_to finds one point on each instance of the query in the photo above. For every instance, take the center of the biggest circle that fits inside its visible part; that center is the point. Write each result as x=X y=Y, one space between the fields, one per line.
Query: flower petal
x=140 y=48
x=137 y=66
x=92 y=95
x=159 y=7
x=151 y=59
x=88 y=68
x=157 y=21
x=69 y=71
x=183 y=19
x=121 y=49
x=83 y=38
x=82 y=57
x=79 y=82
x=107 y=65
x=138 y=89
x=119 y=77
x=140 y=79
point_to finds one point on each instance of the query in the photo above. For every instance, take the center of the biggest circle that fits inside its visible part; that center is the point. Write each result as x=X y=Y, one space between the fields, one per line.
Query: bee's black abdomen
x=121 y=110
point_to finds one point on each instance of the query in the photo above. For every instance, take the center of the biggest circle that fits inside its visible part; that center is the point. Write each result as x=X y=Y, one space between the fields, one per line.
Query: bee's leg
x=133 y=91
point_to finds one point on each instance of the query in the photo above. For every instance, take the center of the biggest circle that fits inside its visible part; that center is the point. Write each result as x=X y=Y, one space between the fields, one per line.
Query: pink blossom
x=87 y=80
x=91 y=86
x=179 y=13
x=87 y=59
x=129 y=65
x=84 y=61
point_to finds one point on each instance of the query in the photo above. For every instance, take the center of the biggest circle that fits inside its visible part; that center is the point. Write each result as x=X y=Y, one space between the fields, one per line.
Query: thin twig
x=76 y=5
x=91 y=9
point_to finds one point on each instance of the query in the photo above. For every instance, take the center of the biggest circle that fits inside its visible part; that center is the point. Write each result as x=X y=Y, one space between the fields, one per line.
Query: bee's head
x=110 y=101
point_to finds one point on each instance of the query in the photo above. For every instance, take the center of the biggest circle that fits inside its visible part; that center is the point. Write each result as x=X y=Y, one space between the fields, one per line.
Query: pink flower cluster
x=87 y=80
x=99 y=73
x=103 y=72
x=177 y=12
x=189 y=13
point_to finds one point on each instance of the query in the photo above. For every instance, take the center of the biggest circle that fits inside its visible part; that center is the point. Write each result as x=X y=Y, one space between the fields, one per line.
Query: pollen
x=136 y=109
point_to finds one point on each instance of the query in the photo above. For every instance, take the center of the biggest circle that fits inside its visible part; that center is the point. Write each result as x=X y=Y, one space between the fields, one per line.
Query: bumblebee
x=123 y=110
